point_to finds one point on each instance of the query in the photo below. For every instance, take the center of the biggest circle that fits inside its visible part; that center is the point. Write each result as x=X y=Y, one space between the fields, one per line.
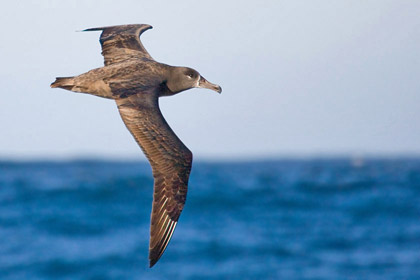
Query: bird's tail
x=64 y=82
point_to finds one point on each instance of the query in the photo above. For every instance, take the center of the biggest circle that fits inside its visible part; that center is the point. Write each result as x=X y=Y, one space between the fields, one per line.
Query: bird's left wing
x=171 y=164
x=122 y=42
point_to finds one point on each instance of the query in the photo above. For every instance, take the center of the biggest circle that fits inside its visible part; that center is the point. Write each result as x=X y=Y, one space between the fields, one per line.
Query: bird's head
x=183 y=78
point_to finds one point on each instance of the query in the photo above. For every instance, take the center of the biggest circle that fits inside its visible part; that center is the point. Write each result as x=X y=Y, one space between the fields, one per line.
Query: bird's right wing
x=122 y=42
x=171 y=164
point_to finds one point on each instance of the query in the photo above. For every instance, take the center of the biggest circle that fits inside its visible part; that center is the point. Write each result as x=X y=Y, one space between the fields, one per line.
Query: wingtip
x=153 y=259
x=152 y=263
x=144 y=27
x=91 y=29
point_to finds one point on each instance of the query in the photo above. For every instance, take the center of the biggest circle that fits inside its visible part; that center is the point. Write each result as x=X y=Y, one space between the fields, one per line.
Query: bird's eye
x=191 y=75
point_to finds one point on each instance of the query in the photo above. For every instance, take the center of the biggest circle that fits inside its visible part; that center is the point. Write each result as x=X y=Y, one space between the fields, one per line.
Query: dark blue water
x=317 y=219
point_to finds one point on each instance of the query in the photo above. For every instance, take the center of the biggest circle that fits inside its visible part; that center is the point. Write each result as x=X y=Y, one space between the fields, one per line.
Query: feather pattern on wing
x=122 y=42
x=171 y=164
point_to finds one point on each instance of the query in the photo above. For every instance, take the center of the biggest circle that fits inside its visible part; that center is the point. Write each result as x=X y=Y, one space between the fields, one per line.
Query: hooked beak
x=203 y=83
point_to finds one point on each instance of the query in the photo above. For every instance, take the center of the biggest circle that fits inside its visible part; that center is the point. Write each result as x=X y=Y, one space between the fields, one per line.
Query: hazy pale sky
x=299 y=77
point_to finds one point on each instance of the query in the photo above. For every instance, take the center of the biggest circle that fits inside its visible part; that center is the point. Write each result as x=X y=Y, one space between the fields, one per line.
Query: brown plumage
x=135 y=81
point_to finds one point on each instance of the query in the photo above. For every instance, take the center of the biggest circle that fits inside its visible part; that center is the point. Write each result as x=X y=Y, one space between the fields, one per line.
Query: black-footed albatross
x=136 y=81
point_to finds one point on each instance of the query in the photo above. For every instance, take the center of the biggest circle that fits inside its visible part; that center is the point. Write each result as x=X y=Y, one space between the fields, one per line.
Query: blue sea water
x=287 y=219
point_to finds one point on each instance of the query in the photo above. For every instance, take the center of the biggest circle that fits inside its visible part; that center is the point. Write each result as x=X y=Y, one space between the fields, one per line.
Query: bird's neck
x=172 y=80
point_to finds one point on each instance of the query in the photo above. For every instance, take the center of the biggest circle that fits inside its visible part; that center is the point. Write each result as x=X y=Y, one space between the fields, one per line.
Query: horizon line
x=234 y=158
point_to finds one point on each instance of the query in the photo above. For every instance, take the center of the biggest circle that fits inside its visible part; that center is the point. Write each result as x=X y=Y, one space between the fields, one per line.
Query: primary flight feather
x=136 y=81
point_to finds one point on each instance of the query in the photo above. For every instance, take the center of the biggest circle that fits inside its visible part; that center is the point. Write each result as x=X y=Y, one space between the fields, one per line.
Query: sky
x=299 y=78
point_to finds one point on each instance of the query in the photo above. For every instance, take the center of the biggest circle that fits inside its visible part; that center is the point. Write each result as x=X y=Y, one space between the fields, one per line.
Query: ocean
x=286 y=219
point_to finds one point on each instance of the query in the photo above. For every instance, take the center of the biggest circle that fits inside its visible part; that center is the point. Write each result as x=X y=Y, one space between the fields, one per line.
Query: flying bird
x=135 y=81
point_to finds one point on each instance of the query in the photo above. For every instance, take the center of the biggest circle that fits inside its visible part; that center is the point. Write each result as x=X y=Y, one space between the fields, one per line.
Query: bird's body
x=121 y=79
x=135 y=81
